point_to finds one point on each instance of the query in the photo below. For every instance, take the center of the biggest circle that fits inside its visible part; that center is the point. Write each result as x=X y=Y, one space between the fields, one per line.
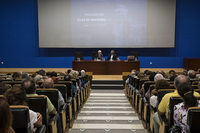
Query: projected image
x=109 y=23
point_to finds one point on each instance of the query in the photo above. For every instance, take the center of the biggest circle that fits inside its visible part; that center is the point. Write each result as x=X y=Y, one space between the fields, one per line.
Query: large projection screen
x=106 y=23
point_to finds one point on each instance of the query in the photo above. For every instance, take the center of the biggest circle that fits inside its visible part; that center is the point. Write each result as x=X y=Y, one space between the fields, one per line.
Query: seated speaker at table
x=99 y=56
x=112 y=56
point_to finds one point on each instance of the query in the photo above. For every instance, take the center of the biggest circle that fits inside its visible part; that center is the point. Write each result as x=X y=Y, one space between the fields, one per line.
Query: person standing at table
x=112 y=56
x=99 y=56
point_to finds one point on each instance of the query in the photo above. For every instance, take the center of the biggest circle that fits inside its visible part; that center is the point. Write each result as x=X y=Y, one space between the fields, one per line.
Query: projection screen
x=106 y=23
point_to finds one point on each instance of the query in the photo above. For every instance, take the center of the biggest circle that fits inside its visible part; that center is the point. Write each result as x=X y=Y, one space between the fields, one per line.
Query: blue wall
x=19 y=47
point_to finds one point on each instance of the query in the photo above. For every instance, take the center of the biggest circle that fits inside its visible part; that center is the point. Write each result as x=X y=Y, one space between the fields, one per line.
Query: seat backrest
x=162 y=92
x=3 y=80
x=172 y=86
x=94 y=53
x=193 y=121
x=1 y=97
x=142 y=81
x=137 y=83
x=39 y=104
x=147 y=85
x=194 y=81
x=195 y=86
x=21 y=119
x=12 y=82
x=63 y=89
x=52 y=94
x=69 y=86
x=173 y=101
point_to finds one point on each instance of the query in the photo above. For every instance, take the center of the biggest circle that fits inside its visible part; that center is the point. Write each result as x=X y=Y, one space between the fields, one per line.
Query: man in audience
x=192 y=74
x=164 y=104
x=82 y=72
x=3 y=88
x=25 y=75
x=29 y=86
x=48 y=83
x=163 y=73
x=15 y=75
x=112 y=56
x=184 y=73
x=99 y=56
x=42 y=72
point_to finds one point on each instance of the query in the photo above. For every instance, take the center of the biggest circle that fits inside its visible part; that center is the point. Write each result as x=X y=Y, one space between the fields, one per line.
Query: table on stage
x=106 y=67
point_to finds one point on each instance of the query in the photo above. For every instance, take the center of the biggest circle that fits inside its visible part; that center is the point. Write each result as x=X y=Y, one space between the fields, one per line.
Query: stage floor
x=107 y=77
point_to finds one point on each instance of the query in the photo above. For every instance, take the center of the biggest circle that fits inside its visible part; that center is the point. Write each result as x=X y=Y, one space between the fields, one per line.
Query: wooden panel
x=106 y=67
x=191 y=63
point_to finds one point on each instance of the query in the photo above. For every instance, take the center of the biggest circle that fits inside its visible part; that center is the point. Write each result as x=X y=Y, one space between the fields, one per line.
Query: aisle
x=107 y=111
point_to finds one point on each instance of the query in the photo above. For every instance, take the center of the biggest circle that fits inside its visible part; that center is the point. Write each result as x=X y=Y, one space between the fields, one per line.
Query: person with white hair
x=156 y=78
x=82 y=72
x=132 y=74
x=99 y=56
x=191 y=74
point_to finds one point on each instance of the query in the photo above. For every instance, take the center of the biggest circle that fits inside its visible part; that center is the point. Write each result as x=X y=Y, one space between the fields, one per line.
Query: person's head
x=29 y=86
x=69 y=70
x=162 y=84
x=48 y=83
x=181 y=79
x=132 y=73
x=20 y=73
x=62 y=74
x=16 y=96
x=151 y=77
x=34 y=75
x=184 y=73
x=67 y=77
x=15 y=75
x=48 y=74
x=145 y=71
x=5 y=116
x=185 y=90
x=199 y=70
x=82 y=72
x=38 y=78
x=25 y=75
x=158 y=77
x=54 y=74
x=42 y=72
x=140 y=75
x=148 y=72
x=192 y=74
x=99 y=52
x=171 y=78
x=112 y=52
x=172 y=72
x=3 y=88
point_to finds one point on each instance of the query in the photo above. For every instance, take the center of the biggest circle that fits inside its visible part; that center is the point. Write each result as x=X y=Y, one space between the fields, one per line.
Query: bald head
x=181 y=79
x=48 y=83
x=99 y=52
x=158 y=77
x=192 y=74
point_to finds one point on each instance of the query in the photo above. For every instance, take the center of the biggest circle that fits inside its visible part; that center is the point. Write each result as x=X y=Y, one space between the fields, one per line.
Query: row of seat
x=67 y=112
x=142 y=105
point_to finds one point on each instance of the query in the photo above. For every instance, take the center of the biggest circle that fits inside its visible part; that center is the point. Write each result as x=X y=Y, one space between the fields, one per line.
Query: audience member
x=148 y=72
x=180 y=110
x=163 y=73
x=164 y=104
x=62 y=74
x=17 y=96
x=74 y=74
x=33 y=75
x=48 y=74
x=68 y=78
x=172 y=72
x=5 y=118
x=112 y=56
x=54 y=77
x=192 y=74
x=38 y=78
x=69 y=70
x=15 y=75
x=145 y=71
x=25 y=75
x=42 y=72
x=82 y=72
x=132 y=74
x=20 y=73
x=29 y=86
x=184 y=73
x=48 y=83
x=3 y=88
x=160 y=84
x=171 y=78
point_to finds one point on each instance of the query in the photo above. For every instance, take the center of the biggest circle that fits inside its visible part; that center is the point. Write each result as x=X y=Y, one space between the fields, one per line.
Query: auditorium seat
x=21 y=120
x=193 y=120
x=3 y=80
x=52 y=94
x=12 y=82
x=63 y=89
x=39 y=104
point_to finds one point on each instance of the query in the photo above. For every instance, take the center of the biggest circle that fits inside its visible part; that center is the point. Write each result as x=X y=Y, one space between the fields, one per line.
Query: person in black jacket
x=99 y=56
x=112 y=56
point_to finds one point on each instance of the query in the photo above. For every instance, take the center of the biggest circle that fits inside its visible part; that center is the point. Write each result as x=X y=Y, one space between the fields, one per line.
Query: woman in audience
x=180 y=110
x=5 y=118
x=68 y=78
x=17 y=96
x=160 y=84
x=54 y=77
x=3 y=88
